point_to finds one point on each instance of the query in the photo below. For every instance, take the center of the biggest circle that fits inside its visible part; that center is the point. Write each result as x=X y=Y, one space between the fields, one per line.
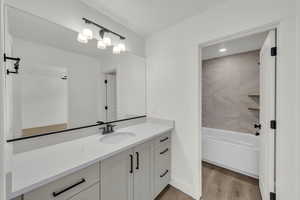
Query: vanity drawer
x=162 y=172
x=67 y=186
x=162 y=140
x=92 y=193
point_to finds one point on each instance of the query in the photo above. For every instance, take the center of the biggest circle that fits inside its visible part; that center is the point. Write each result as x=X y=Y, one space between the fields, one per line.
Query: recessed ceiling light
x=223 y=50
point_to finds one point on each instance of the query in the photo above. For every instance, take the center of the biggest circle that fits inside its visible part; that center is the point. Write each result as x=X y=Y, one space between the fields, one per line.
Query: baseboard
x=183 y=187
x=231 y=169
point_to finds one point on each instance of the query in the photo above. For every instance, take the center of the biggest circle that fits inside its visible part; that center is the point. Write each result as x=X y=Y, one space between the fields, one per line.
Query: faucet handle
x=111 y=127
x=103 y=129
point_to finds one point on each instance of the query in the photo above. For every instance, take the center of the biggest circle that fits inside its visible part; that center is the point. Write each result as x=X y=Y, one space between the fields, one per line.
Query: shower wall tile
x=226 y=83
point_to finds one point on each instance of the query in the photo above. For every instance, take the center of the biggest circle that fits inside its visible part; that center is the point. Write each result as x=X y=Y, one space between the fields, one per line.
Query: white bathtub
x=236 y=151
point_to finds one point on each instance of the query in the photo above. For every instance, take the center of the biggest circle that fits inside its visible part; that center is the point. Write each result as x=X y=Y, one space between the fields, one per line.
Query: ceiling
x=149 y=16
x=236 y=46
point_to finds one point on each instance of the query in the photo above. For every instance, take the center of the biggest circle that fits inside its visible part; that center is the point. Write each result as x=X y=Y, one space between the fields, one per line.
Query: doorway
x=111 y=95
x=239 y=116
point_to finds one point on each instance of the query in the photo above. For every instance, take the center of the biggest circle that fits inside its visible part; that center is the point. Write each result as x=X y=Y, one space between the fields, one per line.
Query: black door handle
x=131 y=164
x=55 y=194
x=137 y=160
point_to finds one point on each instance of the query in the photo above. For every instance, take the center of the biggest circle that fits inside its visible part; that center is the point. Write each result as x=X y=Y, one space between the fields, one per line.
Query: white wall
x=85 y=80
x=69 y=13
x=46 y=104
x=173 y=87
x=298 y=63
x=131 y=83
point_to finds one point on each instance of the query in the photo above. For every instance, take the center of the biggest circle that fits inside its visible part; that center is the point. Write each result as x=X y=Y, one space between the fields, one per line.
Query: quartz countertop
x=36 y=168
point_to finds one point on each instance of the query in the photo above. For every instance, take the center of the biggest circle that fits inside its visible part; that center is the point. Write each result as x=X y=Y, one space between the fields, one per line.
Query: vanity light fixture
x=88 y=33
x=116 y=50
x=222 y=50
x=101 y=44
x=105 y=37
x=82 y=39
x=122 y=46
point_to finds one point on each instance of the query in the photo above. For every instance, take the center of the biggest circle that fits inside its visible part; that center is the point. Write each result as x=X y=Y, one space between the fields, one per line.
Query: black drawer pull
x=137 y=160
x=55 y=194
x=165 y=151
x=165 y=139
x=131 y=164
x=167 y=171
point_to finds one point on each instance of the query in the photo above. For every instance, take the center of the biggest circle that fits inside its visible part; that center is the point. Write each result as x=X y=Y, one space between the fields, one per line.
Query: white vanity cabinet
x=139 y=173
x=92 y=193
x=68 y=186
x=126 y=176
x=142 y=172
x=116 y=177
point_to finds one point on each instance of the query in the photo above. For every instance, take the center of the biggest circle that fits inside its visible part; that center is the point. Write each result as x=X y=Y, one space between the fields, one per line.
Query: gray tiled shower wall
x=227 y=82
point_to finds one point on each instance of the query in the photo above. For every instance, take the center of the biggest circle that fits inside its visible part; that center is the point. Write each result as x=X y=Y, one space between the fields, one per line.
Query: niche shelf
x=253 y=95
x=253 y=109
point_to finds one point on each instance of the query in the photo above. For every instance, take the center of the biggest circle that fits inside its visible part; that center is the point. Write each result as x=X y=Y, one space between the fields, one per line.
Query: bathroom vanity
x=132 y=163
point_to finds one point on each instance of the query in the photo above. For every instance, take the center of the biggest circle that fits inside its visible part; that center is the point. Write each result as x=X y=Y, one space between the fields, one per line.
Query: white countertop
x=33 y=169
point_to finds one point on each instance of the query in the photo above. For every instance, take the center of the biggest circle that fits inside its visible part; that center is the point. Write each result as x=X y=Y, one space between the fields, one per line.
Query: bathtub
x=235 y=151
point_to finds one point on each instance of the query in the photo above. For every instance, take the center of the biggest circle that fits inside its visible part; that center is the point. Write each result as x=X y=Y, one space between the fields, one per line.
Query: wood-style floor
x=219 y=184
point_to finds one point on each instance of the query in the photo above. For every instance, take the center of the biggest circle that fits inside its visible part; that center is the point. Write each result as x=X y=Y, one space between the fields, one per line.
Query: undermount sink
x=117 y=137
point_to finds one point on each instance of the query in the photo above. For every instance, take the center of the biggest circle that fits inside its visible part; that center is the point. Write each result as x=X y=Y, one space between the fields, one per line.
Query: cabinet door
x=91 y=193
x=117 y=177
x=142 y=172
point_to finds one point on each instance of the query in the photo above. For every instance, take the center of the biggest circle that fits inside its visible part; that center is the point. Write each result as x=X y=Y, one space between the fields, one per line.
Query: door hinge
x=273 y=124
x=105 y=81
x=16 y=64
x=274 y=51
x=272 y=196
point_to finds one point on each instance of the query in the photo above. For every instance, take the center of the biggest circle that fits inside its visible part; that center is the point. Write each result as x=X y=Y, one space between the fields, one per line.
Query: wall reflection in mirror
x=63 y=84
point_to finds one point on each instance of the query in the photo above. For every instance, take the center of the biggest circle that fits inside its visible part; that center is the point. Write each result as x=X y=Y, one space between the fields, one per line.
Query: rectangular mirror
x=63 y=84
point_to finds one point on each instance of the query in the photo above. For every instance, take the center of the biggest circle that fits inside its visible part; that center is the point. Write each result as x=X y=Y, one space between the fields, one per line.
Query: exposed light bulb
x=107 y=40
x=116 y=50
x=122 y=47
x=81 y=38
x=223 y=50
x=88 y=33
x=101 y=44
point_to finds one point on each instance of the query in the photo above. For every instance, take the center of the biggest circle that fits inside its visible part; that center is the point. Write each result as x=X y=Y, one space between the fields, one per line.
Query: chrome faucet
x=109 y=128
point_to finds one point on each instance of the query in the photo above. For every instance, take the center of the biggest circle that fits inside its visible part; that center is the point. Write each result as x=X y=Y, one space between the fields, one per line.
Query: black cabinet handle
x=55 y=194
x=167 y=171
x=165 y=139
x=137 y=160
x=165 y=151
x=131 y=164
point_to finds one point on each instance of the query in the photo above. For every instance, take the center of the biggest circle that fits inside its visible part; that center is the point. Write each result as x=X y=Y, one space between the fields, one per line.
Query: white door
x=117 y=177
x=111 y=96
x=142 y=173
x=267 y=113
